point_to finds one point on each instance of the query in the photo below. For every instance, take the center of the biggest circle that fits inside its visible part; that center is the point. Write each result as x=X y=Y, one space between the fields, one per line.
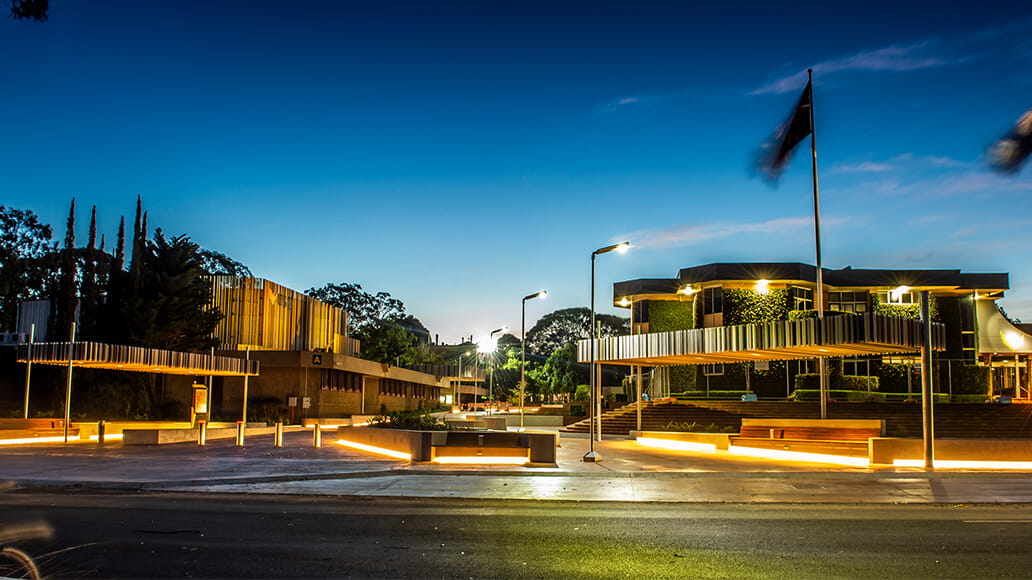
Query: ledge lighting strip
x=107 y=437
x=379 y=450
x=484 y=460
x=948 y=464
x=58 y=439
x=799 y=456
x=676 y=445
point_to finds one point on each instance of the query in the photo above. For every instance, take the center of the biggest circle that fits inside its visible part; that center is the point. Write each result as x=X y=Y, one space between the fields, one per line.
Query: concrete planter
x=538 y=448
x=720 y=441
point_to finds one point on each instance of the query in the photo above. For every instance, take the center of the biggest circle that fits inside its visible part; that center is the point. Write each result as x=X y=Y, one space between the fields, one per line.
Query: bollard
x=100 y=432
x=317 y=436
x=240 y=433
x=202 y=432
x=278 y=440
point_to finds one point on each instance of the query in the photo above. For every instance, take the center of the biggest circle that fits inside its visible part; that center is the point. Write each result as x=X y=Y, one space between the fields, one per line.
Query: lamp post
x=596 y=388
x=490 y=360
x=523 y=350
x=458 y=383
x=487 y=347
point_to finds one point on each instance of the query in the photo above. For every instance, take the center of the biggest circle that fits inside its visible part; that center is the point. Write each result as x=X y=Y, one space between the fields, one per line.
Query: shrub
x=809 y=381
x=411 y=420
x=582 y=393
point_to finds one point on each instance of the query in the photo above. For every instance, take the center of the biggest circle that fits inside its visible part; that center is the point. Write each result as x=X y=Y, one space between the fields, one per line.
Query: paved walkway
x=628 y=472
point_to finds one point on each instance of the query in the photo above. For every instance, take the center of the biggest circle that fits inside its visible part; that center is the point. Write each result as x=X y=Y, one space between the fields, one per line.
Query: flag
x=1011 y=150
x=777 y=151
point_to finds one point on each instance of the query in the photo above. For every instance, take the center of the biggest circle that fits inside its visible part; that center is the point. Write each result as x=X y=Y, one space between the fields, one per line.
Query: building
x=728 y=294
x=308 y=364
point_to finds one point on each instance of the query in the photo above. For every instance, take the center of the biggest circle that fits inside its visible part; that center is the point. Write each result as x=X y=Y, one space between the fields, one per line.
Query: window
x=801 y=298
x=848 y=301
x=894 y=297
x=713 y=300
x=713 y=370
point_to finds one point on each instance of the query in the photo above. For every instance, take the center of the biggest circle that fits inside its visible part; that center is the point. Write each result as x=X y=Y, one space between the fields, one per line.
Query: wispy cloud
x=691 y=234
x=890 y=58
x=929 y=160
x=865 y=167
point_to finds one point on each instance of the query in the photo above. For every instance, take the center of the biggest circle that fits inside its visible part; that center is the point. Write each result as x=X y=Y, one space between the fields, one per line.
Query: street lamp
x=488 y=346
x=523 y=350
x=458 y=383
x=596 y=389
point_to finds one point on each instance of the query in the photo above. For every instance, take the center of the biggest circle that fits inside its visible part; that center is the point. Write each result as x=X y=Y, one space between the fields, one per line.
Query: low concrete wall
x=425 y=445
x=186 y=435
x=480 y=422
x=534 y=420
x=720 y=440
x=885 y=450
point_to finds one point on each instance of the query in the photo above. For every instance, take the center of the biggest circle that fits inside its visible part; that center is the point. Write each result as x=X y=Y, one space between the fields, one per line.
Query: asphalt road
x=236 y=536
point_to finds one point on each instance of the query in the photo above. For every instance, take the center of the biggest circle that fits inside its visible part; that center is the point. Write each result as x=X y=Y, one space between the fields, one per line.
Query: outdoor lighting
x=896 y=294
x=596 y=389
x=762 y=286
x=688 y=290
x=378 y=450
x=523 y=350
x=625 y=302
x=799 y=456
x=676 y=445
x=1013 y=339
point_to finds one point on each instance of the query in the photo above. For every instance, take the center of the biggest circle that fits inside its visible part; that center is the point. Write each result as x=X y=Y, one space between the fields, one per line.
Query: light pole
x=596 y=388
x=490 y=360
x=458 y=383
x=523 y=350
x=488 y=347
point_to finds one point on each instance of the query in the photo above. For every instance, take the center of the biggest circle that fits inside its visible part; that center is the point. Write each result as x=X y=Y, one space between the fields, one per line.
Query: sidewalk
x=627 y=473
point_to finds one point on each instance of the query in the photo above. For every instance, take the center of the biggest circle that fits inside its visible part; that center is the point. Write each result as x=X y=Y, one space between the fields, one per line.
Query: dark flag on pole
x=776 y=152
x=1010 y=152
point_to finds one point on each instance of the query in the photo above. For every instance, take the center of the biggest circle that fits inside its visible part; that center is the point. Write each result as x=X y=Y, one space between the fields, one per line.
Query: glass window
x=848 y=301
x=801 y=298
x=713 y=300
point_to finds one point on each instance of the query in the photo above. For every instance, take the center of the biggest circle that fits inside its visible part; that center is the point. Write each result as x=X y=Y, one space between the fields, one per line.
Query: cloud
x=930 y=160
x=691 y=234
x=864 y=167
x=891 y=58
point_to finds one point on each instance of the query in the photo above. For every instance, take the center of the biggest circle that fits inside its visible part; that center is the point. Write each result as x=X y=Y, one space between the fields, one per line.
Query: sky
x=462 y=155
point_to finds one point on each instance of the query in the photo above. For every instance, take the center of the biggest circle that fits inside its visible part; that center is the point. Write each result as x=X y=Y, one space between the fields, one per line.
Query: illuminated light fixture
x=799 y=456
x=328 y=426
x=483 y=460
x=676 y=445
x=688 y=290
x=378 y=450
x=111 y=437
x=625 y=302
x=59 y=439
x=762 y=287
x=822 y=349
x=947 y=464
x=896 y=294
x=1013 y=339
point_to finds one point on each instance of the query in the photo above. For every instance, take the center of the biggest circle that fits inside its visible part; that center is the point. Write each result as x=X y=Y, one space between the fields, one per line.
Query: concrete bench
x=31 y=424
x=813 y=429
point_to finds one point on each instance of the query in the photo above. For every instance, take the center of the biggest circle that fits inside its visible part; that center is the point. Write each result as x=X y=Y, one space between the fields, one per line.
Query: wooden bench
x=31 y=424
x=813 y=429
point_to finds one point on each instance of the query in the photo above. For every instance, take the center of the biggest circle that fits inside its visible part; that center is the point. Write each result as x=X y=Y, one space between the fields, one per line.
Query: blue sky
x=461 y=155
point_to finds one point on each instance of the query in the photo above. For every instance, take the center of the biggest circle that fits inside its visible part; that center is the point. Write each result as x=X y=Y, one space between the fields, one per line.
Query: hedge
x=808 y=381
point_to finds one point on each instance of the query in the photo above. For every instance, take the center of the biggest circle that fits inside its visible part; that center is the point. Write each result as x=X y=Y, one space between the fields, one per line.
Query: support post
x=28 y=369
x=202 y=433
x=928 y=426
x=241 y=426
x=101 y=427
x=278 y=437
x=68 y=387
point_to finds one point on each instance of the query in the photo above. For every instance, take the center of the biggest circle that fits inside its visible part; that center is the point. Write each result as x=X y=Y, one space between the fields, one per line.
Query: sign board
x=306 y=402
x=200 y=398
x=316 y=359
x=291 y=401
x=761 y=365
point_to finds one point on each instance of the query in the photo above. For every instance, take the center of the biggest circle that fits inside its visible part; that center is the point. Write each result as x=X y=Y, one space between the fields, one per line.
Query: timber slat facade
x=135 y=358
x=843 y=335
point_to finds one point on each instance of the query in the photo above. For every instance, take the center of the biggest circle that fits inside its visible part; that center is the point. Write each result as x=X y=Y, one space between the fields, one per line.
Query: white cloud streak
x=692 y=234
x=891 y=59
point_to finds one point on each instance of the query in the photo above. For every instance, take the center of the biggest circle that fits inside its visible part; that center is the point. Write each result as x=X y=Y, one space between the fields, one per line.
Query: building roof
x=789 y=272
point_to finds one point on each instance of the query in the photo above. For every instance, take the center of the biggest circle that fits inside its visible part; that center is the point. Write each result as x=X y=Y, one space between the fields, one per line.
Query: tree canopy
x=561 y=327
x=362 y=307
x=26 y=261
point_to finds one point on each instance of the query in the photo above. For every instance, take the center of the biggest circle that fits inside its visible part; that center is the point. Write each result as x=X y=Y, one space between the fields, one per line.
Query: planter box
x=720 y=441
x=538 y=448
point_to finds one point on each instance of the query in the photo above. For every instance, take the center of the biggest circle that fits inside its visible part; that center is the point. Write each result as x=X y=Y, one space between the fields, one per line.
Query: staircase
x=953 y=420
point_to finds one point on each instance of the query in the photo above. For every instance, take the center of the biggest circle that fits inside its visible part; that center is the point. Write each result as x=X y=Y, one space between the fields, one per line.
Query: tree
x=64 y=304
x=35 y=10
x=217 y=263
x=363 y=308
x=562 y=372
x=26 y=268
x=562 y=327
x=386 y=342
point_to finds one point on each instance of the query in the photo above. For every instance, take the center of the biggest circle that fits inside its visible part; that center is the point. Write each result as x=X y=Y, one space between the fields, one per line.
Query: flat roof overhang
x=135 y=359
x=834 y=336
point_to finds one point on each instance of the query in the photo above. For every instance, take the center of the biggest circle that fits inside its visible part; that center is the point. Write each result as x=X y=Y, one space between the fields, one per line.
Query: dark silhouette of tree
x=216 y=263
x=561 y=327
x=362 y=307
x=92 y=258
x=64 y=304
x=35 y=10
x=26 y=262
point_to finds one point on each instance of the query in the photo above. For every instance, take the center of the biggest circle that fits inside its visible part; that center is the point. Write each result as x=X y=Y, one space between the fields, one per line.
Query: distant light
x=688 y=290
x=625 y=302
x=763 y=286
x=1013 y=339
x=622 y=247
x=896 y=294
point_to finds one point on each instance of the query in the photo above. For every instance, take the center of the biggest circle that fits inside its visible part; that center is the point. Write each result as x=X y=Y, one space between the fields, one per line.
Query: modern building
x=725 y=295
x=308 y=364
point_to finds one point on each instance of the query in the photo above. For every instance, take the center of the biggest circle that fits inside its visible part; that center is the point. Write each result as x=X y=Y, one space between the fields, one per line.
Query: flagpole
x=819 y=302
